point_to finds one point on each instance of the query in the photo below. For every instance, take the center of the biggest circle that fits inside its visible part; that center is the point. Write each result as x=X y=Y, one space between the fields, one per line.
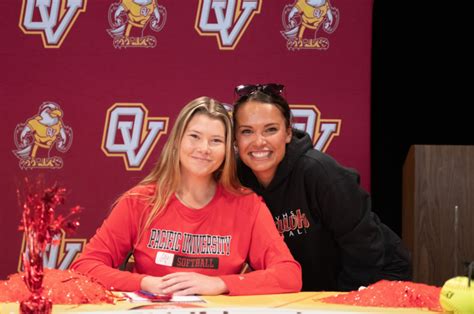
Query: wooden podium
x=438 y=210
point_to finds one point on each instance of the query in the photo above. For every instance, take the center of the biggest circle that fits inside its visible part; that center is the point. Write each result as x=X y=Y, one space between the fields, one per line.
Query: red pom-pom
x=61 y=286
x=386 y=293
x=40 y=225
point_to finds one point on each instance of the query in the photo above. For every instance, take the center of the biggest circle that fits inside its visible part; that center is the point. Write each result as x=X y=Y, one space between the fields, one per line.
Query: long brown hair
x=166 y=173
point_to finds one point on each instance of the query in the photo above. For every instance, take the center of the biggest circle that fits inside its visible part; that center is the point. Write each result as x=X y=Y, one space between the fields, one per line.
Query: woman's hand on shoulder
x=189 y=283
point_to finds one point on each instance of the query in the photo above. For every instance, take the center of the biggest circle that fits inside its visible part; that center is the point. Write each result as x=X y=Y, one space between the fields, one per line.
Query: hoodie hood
x=300 y=143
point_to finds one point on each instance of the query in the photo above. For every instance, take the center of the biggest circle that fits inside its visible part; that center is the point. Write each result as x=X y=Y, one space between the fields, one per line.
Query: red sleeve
x=275 y=269
x=109 y=247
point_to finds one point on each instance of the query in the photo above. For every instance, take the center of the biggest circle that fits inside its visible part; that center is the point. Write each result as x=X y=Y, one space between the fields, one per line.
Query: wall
x=111 y=97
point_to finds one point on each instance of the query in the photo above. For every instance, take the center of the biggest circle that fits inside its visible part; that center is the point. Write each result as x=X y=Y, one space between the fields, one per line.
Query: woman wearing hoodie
x=317 y=204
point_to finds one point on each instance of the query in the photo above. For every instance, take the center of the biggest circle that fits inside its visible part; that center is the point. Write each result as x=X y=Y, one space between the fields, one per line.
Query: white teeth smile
x=260 y=154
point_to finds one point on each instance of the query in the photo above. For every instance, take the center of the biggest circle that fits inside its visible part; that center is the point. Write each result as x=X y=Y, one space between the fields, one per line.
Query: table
x=290 y=303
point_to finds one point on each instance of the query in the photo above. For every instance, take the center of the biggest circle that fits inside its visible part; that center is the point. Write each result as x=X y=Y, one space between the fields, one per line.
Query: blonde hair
x=166 y=173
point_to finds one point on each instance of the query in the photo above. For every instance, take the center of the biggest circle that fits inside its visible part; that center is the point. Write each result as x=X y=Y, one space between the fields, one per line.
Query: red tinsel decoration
x=386 y=293
x=40 y=226
x=60 y=286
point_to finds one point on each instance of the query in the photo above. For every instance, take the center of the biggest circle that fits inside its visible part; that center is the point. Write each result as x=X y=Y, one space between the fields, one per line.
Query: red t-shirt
x=215 y=240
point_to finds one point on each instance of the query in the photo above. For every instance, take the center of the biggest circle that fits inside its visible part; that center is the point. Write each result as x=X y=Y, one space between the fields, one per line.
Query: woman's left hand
x=188 y=283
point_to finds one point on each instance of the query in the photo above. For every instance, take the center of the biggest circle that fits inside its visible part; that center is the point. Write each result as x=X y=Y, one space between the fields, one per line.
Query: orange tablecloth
x=302 y=302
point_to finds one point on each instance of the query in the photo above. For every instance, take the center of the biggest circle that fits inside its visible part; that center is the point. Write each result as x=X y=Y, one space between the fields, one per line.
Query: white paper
x=134 y=297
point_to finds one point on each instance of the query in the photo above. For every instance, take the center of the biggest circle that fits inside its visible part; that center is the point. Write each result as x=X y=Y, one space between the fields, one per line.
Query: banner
x=90 y=89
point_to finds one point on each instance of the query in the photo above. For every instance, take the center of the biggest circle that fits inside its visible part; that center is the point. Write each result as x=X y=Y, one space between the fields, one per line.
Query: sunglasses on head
x=269 y=89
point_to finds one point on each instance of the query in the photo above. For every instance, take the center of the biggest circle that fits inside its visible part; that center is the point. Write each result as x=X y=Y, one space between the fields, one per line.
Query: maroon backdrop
x=90 y=89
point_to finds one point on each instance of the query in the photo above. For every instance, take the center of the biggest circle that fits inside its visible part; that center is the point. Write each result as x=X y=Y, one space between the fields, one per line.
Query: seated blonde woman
x=190 y=224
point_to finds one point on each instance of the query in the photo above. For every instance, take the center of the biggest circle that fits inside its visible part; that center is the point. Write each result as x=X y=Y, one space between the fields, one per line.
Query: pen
x=154 y=297
x=146 y=293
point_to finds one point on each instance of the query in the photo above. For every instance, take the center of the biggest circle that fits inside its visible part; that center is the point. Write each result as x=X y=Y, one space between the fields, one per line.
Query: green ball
x=456 y=296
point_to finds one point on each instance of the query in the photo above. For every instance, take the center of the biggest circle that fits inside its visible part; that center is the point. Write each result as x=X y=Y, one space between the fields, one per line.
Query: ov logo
x=59 y=254
x=131 y=134
x=231 y=17
x=56 y=18
x=308 y=118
